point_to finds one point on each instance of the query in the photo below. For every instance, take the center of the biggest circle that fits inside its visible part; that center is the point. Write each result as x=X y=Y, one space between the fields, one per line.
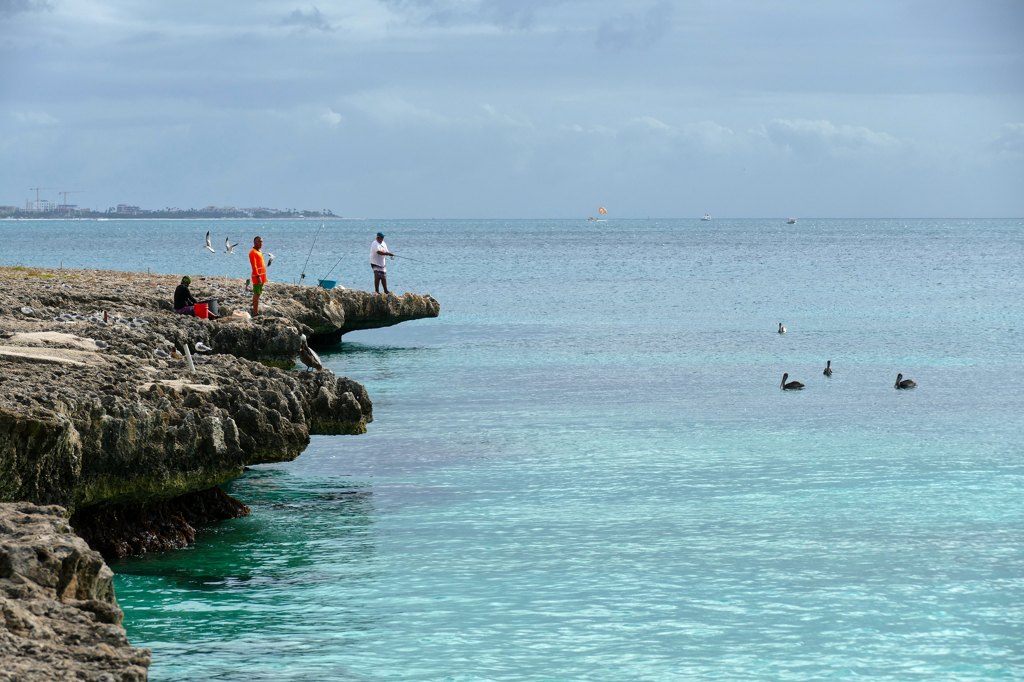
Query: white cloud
x=390 y=109
x=822 y=138
x=35 y=118
x=331 y=117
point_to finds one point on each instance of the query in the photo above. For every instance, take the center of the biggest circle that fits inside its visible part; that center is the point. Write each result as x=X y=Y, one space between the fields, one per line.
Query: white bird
x=308 y=356
x=202 y=347
x=160 y=353
x=229 y=247
x=270 y=259
x=209 y=246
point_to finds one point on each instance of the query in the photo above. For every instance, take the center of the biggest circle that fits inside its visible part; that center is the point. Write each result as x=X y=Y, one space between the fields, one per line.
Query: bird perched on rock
x=792 y=385
x=308 y=356
x=904 y=383
x=161 y=353
x=209 y=246
x=202 y=347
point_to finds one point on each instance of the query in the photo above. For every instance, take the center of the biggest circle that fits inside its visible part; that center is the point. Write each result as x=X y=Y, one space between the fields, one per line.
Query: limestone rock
x=60 y=620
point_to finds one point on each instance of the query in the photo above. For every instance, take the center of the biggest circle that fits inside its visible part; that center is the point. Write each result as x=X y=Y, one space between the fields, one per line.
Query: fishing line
x=303 y=275
x=407 y=258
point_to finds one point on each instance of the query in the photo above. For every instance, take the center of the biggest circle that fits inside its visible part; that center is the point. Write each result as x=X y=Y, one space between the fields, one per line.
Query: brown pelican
x=828 y=368
x=904 y=383
x=793 y=385
x=782 y=330
x=308 y=356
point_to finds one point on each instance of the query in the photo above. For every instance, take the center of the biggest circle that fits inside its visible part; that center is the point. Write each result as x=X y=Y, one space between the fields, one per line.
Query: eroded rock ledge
x=60 y=620
x=34 y=297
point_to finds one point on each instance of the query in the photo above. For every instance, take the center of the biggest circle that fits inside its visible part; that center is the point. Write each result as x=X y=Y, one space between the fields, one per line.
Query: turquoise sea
x=585 y=469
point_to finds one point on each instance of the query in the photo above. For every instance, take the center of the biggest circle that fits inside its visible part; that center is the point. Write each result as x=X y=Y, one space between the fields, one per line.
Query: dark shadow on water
x=362 y=349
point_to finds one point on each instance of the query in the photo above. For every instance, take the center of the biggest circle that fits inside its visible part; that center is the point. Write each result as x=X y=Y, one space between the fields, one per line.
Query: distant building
x=7 y=210
x=40 y=205
x=130 y=210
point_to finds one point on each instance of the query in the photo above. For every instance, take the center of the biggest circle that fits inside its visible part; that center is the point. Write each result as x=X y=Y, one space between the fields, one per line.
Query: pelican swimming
x=792 y=385
x=904 y=383
x=229 y=247
x=209 y=246
x=782 y=330
x=308 y=356
x=828 y=368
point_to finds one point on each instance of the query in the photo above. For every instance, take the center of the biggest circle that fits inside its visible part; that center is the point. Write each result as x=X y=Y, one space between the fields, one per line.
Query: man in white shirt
x=378 y=249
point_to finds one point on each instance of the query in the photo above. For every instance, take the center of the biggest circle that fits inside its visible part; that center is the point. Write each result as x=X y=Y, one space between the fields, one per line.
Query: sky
x=519 y=108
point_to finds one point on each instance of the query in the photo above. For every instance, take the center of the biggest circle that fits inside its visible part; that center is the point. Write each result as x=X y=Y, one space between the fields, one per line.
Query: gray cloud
x=508 y=14
x=11 y=7
x=1011 y=141
x=635 y=31
x=312 y=20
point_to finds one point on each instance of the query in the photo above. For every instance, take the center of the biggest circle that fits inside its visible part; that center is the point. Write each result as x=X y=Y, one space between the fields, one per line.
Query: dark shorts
x=257 y=288
x=379 y=271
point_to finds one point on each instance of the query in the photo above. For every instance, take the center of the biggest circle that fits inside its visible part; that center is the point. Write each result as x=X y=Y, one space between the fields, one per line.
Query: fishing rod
x=303 y=275
x=334 y=266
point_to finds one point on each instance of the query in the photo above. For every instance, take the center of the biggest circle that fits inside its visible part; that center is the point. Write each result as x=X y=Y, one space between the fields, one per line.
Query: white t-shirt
x=375 y=253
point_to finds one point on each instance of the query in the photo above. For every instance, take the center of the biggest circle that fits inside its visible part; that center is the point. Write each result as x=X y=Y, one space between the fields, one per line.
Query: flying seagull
x=309 y=357
x=270 y=259
x=209 y=247
x=228 y=247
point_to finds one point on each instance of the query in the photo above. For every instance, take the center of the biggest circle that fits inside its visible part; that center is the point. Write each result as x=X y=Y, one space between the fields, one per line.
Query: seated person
x=184 y=302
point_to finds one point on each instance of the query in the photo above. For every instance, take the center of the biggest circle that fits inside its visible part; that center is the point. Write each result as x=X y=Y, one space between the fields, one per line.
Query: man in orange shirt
x=259 y=273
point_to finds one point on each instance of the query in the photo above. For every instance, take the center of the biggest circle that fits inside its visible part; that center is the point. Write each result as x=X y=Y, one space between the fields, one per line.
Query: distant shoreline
x=131 y=217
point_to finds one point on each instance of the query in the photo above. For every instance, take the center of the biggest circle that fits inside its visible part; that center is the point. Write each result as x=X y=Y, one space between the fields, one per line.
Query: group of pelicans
x=796 y=385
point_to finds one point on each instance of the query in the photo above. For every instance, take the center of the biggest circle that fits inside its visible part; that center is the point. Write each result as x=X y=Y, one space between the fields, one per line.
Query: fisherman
x=378 y=249
x=259 y=273
x=184 y=301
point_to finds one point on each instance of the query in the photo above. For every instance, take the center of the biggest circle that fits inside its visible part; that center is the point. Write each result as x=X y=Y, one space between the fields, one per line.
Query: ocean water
x=585 y=469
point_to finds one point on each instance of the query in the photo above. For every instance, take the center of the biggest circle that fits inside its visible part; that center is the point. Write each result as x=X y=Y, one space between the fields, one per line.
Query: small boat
x=707 y=216
x=791 y=221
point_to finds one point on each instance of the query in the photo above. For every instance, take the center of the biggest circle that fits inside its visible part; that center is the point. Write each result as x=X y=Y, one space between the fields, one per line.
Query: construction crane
x=66 y=193
x=36 y=190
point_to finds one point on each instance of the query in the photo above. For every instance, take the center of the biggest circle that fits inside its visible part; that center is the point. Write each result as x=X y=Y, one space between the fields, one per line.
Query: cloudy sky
x=519 y=108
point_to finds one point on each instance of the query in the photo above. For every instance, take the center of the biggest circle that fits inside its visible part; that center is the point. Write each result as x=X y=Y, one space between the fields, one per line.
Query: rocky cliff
x=102 y=414
x=60 y=620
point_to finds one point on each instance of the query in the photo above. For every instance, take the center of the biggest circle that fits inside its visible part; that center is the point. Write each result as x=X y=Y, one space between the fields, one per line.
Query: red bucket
x=202 y=310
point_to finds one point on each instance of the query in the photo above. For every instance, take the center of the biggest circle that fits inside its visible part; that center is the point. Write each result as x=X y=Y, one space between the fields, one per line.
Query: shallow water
x=585 y=469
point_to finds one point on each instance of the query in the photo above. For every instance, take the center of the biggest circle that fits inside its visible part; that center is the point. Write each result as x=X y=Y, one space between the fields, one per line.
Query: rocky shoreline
x=103 y=421
x=61 y=620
